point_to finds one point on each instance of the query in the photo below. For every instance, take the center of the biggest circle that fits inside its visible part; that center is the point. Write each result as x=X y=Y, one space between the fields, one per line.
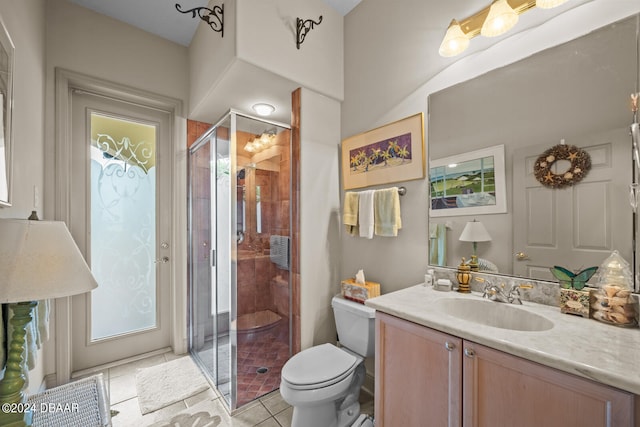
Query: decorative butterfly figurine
x=569 y=279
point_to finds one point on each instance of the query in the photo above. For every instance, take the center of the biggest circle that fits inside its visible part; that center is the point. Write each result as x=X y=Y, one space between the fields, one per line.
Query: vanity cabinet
x=426 y=377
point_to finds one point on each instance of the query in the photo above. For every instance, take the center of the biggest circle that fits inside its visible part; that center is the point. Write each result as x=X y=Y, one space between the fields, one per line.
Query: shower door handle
x=163 y=260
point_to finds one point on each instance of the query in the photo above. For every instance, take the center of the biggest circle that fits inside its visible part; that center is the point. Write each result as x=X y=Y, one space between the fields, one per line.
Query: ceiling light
x=501 y=19
x=455 y=40
x=549 y=4
x=261 y=142
x=263 y=109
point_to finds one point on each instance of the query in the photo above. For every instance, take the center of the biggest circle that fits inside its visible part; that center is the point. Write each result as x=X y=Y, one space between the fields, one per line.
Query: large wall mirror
x=6 y=101
x=578 y=93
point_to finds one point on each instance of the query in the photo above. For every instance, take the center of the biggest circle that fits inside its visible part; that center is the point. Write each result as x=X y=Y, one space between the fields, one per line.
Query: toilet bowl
x=322 y=383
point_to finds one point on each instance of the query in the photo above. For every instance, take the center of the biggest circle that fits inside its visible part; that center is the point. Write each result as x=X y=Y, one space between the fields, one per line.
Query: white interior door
x=120 y=217
x=574 y=227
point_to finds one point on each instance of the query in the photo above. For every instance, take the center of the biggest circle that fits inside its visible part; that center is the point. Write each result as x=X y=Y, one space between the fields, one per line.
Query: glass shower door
x=212 y=273
x=224 y=225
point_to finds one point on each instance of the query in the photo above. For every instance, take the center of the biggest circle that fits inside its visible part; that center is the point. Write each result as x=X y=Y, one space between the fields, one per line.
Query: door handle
x=162 y=260
x=469 y=353
x=449 y=346
x=521 y=256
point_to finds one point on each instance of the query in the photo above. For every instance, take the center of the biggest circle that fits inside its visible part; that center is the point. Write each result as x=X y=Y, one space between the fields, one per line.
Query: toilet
x=322 y=383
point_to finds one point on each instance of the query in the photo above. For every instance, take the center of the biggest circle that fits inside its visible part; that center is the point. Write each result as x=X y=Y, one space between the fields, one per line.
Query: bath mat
x=203 y=414
x=162 y=385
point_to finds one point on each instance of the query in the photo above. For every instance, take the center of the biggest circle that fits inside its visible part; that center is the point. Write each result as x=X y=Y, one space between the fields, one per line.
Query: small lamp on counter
x=38 y=261
x=474 y=232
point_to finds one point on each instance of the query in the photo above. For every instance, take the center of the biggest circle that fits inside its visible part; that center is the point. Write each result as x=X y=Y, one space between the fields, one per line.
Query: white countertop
x=584 y=347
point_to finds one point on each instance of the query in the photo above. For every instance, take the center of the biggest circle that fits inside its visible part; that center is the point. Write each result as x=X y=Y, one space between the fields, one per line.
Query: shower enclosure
x=239 y=240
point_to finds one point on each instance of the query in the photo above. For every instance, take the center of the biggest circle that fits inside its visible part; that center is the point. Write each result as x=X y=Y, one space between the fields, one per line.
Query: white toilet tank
x=356 y=325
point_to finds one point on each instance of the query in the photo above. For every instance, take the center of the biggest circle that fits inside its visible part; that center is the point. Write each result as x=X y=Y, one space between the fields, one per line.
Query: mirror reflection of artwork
x=470 y=183
x=465 y=184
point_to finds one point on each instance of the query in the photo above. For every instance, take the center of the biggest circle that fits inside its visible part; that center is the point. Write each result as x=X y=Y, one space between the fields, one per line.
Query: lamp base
x=12 y=399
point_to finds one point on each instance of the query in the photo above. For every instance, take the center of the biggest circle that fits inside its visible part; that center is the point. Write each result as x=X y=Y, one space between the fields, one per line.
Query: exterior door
x=575 y=227
x=120 y=217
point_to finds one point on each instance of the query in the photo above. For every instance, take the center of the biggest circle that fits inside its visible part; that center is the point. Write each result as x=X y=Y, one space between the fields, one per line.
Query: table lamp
x=38 y=260
x=474 y=232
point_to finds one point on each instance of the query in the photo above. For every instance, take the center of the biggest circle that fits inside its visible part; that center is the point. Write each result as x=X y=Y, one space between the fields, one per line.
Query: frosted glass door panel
x=123 y=226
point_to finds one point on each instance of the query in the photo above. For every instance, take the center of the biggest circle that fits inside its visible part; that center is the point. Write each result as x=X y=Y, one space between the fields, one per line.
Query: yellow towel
x=350 y=212
x=386 y=210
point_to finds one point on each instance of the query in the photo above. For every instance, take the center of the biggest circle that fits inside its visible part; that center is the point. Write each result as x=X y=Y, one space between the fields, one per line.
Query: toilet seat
x=318 y=367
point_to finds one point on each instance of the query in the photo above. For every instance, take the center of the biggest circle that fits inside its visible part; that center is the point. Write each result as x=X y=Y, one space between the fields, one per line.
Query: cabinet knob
x=449 y=346
x=469 y=353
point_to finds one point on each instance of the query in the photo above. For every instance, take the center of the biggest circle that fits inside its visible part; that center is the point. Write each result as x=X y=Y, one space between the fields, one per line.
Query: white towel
x=365 y=214
x=387 y=212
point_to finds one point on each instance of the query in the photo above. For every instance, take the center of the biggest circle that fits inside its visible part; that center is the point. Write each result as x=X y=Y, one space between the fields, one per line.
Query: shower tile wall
x=262 y=285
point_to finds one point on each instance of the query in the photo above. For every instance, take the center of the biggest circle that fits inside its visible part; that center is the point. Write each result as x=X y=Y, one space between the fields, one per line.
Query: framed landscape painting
x=391 y=153
x=468 y=184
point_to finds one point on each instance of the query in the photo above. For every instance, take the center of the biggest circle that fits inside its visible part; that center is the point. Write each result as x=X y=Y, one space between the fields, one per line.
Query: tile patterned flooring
x=267 y=411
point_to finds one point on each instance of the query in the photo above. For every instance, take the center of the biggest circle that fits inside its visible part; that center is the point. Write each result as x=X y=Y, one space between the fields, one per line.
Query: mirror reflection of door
x=578 y=225
x=120 y=217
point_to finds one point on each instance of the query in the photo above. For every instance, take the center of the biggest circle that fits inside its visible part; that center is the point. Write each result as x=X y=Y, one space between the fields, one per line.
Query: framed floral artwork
x=391 y=153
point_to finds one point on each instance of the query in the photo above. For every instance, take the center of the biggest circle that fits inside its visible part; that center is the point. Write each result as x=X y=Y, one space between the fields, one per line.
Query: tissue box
x=359 y=292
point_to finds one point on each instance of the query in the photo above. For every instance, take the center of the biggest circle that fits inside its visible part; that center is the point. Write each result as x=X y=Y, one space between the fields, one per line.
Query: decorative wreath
x=580 y=165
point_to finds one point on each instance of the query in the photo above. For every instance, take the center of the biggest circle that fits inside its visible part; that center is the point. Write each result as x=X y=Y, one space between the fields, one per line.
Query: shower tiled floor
x=261 y=356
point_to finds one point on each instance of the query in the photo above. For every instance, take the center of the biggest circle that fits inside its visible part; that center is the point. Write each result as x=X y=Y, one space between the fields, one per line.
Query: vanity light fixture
x=549 y=4
x=263 y=109
x=491 y=21
x=501 y=19
x=455 y=41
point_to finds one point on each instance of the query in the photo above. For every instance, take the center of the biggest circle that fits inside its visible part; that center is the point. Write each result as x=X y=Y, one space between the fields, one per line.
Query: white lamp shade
x=475 y=231
x=501 y=19
x=455 y=41
x=549 y=4
x=39 y=260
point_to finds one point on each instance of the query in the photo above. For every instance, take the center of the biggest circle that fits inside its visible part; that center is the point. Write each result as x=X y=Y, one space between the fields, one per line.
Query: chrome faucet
x=497 y=293
x=514 y=293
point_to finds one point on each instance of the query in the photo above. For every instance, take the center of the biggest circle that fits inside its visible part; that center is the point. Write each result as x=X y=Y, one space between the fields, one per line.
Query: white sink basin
x=495 y=314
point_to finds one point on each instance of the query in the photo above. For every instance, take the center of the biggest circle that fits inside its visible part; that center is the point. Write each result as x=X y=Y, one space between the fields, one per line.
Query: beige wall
x=25 y=22
x=319 y=216
x=267 y=38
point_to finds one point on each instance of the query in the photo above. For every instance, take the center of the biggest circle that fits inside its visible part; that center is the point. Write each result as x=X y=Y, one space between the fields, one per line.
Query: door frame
x=67 y=81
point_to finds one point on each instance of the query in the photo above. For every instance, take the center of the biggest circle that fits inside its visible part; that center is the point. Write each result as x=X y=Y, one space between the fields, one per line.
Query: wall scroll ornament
x=303 y=27
x=213 y=17
x=580 y=166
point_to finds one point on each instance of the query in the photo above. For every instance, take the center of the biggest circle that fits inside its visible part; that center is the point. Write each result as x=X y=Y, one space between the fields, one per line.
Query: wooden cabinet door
x=504 y=390
x=418 y=376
